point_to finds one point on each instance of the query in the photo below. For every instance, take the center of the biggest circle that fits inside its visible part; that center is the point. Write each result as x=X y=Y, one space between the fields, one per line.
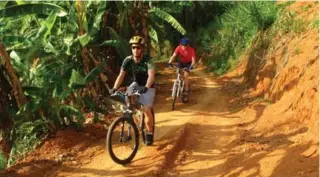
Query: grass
x=261 y=99
x=314 y=24
x=2 y=161
x=297 y=51
x=306 y=7
x=225 y=39
x=299 y=25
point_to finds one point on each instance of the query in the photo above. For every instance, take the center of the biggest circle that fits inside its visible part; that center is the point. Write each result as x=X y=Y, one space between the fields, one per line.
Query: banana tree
x=145 y=19
x=43 y=53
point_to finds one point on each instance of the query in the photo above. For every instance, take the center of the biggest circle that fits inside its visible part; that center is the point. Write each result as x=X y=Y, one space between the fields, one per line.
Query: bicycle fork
x=122 y=132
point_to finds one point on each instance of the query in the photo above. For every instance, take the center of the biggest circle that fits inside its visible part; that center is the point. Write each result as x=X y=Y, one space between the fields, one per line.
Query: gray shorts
x=148 y=97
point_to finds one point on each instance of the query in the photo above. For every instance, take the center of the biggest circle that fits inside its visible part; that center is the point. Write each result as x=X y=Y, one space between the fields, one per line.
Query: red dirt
x=254 y=121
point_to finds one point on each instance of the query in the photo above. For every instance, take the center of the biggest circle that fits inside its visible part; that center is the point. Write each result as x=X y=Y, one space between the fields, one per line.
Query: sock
x=149 y=133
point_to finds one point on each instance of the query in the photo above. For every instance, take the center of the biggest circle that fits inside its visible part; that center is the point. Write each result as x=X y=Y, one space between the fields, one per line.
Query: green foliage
x=27 y=138
x=314 y=24
x=297 y=51
x=232 y=33
x=123 y=47
x=289 y=22
x=2 y=160
x=25 y=9
x=45 y=51
x=306 y=7
x=168 y=18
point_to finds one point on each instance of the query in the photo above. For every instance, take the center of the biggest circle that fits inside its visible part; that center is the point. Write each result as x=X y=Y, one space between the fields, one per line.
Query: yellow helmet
x=136 y=40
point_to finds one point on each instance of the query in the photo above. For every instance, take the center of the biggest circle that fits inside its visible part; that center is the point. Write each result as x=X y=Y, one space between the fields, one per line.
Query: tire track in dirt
x=209 y=98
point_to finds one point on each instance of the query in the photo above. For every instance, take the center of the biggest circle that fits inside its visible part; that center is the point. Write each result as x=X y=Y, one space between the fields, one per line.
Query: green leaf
x=73 y=112
x=16 y=42
x=3 y=4
x=98 y=17
x=85 y=23
x=49 y=48
x=84 y=39
x=65 y=93
x=17 y=62
x=154 y=39
x=90 y=104
x=113 y=43
x=33 y=91
x=123 y=49
x=58 y=90
x=37 y=8
x=168 y=18
x=94 y=73
x=76 y=80
x=46 y=27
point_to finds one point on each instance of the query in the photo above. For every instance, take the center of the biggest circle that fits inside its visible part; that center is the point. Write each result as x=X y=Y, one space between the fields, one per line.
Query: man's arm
x=193 y=57
x=193 y=61
x=150 y=80
x=119 y=79
x=172 y=57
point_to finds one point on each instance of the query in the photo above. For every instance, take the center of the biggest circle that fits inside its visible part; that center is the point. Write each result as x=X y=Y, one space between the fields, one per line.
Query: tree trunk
x=84 y=51
x=139 y=20
x=145 y=25
x=6 y=122
x=17 y=88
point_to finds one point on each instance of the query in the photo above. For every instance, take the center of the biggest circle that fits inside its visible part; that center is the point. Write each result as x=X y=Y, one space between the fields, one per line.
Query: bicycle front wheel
x=175 y=91
x=123 y=140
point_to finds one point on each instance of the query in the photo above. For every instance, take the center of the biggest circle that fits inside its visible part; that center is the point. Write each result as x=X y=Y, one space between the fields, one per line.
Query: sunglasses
x=135 y=47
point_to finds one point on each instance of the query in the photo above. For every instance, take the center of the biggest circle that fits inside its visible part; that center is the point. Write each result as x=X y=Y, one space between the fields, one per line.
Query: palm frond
x=168 y=18
x=26 y=9
x=123 y=48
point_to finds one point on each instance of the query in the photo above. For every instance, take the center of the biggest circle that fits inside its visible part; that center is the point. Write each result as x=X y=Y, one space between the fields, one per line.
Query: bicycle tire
x=184 y=97
x=174 y=94
x=109 y=141
x=143 y=126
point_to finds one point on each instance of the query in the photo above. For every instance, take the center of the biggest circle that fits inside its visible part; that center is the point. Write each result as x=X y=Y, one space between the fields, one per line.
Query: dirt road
x=218 y=133
x=209 y=136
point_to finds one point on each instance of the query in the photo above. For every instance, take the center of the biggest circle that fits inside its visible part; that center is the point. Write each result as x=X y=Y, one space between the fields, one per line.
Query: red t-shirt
x=185 y=55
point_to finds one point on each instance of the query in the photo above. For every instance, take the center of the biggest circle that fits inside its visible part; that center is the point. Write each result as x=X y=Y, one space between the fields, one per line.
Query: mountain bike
x=178 y=87
x=123 y=133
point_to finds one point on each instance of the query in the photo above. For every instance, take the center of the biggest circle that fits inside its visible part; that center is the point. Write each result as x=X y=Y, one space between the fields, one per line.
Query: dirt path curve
x=172 y=129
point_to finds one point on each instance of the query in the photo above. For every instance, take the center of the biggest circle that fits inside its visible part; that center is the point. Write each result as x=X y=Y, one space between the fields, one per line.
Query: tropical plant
x=45 y=54
x=232 y=32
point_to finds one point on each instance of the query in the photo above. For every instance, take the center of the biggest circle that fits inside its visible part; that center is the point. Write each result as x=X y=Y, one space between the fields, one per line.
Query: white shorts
x=148 y=97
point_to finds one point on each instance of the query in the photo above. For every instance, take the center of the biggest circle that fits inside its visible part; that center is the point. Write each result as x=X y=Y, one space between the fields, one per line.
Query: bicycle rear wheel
x=185 y=96
x=123 y=140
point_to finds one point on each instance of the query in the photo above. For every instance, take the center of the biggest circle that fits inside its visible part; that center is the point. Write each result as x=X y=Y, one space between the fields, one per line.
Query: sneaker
x=149 y=139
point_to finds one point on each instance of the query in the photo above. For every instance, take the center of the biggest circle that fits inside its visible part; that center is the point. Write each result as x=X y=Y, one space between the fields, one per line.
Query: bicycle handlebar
x=116 y=93
x=119 y=93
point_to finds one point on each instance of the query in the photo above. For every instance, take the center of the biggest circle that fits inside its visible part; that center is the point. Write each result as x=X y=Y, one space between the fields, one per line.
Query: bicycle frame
x=178 y=83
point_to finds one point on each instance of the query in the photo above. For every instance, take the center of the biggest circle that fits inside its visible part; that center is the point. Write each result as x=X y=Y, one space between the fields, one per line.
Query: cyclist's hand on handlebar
x=142 y=90
x=112 y=91
x=170 y=65
x=190 y=68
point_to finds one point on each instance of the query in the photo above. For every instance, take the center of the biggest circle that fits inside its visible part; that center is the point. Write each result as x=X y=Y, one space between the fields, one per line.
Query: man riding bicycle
x=187 y=59
x=140 y=68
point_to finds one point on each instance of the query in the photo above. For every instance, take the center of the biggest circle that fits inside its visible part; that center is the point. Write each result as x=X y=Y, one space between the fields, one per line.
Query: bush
x=232 y=32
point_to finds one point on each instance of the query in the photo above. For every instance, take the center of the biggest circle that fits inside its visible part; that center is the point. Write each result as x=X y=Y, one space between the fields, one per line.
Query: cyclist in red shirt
x=187 y=59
